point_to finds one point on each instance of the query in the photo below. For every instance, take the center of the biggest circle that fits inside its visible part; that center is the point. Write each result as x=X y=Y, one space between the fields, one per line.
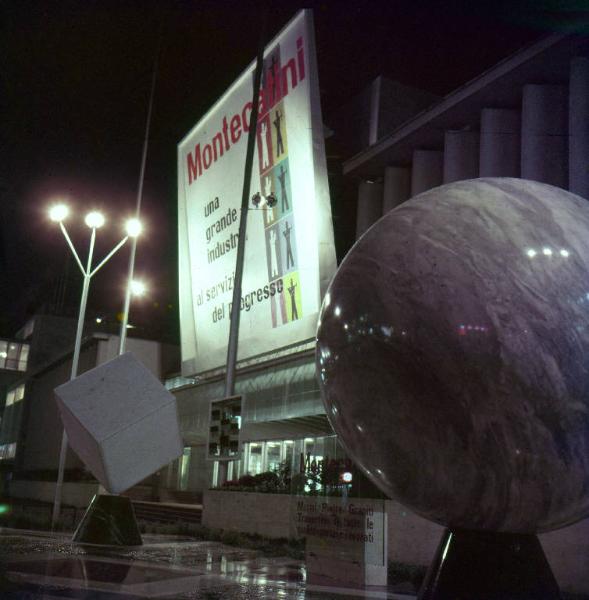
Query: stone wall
x=73 y=494
x=263 y=514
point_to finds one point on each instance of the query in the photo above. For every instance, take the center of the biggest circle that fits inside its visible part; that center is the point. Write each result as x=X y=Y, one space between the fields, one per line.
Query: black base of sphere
x=482 y=565
x=109 y=521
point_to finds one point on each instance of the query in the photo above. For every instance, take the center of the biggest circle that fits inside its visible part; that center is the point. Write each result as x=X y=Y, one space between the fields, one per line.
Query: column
x=500 y=154
x=461 y=155
x=544 y=149
x=579 y=127
x=426 y=170
x=374 y=111
x=369 y=206
x=397 y=187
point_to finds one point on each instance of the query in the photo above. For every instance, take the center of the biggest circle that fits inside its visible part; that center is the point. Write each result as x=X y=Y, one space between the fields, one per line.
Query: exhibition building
x=523 y=118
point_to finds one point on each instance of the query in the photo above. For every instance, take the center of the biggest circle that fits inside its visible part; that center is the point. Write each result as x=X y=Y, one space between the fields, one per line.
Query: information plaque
x=346 y=539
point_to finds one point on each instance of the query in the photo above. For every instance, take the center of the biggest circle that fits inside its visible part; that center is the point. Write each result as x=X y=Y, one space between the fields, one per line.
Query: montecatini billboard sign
x=289 y=250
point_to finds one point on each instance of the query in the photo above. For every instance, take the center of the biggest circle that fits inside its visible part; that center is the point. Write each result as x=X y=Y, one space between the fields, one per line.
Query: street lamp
x=59 y=212
x=94 y=220
x=134 y=228
x=138 y=288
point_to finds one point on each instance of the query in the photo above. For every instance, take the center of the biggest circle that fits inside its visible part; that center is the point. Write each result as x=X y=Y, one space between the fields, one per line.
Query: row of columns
x=547 y=140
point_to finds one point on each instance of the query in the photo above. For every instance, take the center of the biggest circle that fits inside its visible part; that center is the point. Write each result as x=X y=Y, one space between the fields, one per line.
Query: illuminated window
x=313 y=457
x=24 y=357
x=183 y=466
x=7 y=451
x=19 y=392
x=234 y=470
x=288 y=452
x=273 y=456
x=259 y=457
x=255 y=458
x=215 y=473
x=15 y=394
x=10 y=397
x=13 y=356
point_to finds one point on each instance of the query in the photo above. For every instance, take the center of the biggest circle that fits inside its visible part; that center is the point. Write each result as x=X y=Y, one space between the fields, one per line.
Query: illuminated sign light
x=346 y=477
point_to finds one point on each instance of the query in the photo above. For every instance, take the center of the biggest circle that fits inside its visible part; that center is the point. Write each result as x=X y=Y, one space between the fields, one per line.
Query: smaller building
x=31 y=428
x=14 y=360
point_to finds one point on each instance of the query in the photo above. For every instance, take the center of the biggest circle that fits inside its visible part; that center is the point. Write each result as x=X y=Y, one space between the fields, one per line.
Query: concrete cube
x=121 y=421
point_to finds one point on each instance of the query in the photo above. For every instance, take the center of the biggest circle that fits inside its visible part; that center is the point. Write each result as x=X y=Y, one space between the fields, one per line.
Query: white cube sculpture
x=121 y=421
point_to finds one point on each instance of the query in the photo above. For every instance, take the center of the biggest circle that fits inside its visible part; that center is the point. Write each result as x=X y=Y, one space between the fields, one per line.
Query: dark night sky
x=75 y=86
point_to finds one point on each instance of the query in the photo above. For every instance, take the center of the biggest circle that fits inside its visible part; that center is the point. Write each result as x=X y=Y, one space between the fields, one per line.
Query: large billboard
x=289 y=250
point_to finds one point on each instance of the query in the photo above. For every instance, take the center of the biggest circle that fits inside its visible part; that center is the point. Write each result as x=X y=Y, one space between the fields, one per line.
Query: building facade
x=526 y=117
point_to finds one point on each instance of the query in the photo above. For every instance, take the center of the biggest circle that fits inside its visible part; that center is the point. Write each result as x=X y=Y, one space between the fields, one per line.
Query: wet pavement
x=40 y=565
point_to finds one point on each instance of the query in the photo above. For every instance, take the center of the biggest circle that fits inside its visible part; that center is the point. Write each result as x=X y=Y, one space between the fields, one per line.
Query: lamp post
x=134 y=288
x=94 y=220
x=130 y=289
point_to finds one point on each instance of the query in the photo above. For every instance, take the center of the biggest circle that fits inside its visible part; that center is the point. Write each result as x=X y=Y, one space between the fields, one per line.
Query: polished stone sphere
x=453 y=355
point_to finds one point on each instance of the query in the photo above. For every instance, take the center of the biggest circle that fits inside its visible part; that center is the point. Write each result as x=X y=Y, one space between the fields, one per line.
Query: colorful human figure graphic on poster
x=289 y=255
x=267 y=186
x=272 y=80
x=294 y=314
x=283 y=195
x=267 y=192
x=273 y=254
x=264 y=142
x=279 y=142
x=276 y=247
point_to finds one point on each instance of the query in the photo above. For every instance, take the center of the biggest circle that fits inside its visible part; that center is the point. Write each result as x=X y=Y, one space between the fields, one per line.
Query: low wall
x=411 y=539
x=72 y=494
x=269 y=515
x=263 y=514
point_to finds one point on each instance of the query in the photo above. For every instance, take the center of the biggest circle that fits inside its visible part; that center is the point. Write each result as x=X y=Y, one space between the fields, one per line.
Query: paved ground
x=38 y=565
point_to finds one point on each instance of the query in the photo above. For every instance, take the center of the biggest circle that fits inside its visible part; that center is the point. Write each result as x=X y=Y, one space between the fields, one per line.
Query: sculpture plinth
x=489 y=566
x=109 y=521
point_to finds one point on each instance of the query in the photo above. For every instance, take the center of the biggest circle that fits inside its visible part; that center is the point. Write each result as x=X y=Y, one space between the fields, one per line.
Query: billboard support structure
x=239 y=261
x=249 y=159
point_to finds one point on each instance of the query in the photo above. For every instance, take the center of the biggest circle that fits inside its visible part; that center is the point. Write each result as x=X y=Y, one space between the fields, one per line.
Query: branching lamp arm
x=72 y=248
x=110 y=255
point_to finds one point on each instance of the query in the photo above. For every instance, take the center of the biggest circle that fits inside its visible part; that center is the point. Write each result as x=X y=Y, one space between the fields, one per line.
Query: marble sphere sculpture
x=453 y=355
